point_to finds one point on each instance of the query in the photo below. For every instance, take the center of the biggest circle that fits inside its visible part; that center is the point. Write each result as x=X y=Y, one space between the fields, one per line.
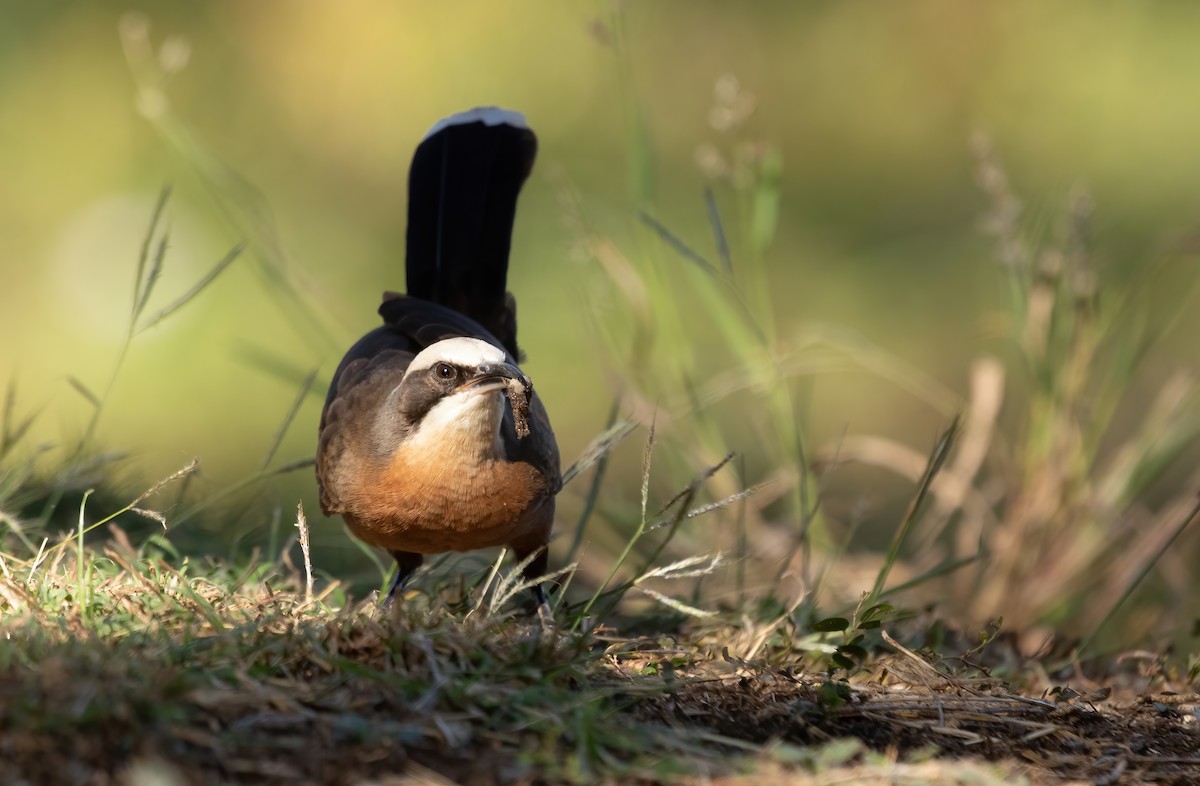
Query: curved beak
x=494 y=376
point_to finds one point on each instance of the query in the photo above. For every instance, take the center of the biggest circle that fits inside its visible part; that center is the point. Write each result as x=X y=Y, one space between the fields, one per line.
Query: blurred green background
x=289 y=126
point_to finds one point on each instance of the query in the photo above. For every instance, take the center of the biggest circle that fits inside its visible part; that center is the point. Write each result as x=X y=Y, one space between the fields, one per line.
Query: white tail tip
x=488 y=115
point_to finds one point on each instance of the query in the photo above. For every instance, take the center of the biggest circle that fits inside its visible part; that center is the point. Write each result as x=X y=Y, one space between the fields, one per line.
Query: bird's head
x=452 y=394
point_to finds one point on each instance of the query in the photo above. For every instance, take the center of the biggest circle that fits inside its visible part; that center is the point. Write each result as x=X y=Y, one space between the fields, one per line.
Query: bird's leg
x=539 y=594
x=535 y=569
x=406 y=565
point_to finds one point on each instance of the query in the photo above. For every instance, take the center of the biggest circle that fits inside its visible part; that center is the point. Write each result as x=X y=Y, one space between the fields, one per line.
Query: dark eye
x=443 y=371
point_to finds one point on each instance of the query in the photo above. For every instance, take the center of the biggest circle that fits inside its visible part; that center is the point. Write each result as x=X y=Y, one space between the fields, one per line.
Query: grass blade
x=676 y=605
x=637 y=535
x=301 y=395
x=83 y=390
x=941 y=451
x=196 y=289
x=937 y=571
x=682 y=248
x=142 y=286
x=718 y=228
x=270 y=362
x=1140 y=577
x=599 y=448
x=11 y=434
x=152 y=277
x=593 y=493
x=82 y=565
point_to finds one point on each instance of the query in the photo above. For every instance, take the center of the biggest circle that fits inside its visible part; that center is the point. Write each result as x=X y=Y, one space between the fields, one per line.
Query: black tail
x=462 y=199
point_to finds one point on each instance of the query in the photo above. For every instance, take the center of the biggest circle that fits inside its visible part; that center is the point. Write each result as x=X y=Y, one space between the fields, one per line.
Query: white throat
x=466 y=424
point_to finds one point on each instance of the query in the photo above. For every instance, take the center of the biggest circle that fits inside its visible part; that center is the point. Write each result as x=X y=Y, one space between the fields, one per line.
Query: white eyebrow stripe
x=488 y=115
x=461 y=351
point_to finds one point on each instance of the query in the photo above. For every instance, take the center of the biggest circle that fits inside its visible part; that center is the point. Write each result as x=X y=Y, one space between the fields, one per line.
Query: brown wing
x=359 y=388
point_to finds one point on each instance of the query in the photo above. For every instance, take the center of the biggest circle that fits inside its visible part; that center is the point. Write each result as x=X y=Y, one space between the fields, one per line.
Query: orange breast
x=426 y=504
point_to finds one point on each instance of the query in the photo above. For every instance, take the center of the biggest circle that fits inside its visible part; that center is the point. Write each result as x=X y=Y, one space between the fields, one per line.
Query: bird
x=431 y=438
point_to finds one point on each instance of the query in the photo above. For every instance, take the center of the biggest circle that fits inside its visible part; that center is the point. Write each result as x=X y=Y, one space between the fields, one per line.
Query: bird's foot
x=546 y=616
